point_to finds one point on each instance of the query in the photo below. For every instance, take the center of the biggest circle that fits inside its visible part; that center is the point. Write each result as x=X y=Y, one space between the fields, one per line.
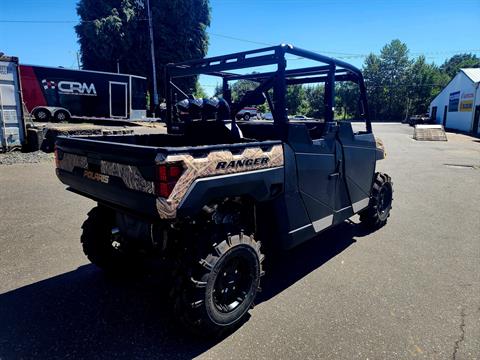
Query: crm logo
x=71 y=87
x=48 y=84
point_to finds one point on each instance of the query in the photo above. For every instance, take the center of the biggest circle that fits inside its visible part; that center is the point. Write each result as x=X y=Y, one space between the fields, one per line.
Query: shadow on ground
x=83 y=314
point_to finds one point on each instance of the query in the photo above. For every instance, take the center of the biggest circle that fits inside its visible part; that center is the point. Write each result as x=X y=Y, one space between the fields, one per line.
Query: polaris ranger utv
x=205 y=194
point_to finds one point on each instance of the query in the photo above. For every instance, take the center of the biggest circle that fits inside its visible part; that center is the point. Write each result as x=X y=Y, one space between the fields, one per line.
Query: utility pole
x=152 y=50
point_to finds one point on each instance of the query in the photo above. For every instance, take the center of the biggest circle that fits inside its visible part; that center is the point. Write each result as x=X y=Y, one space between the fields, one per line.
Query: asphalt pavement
x=409 y=290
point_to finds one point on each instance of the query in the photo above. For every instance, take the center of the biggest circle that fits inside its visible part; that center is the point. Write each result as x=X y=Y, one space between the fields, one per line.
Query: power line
x=240 y=39
x=338 y=54
x=55 y=21
x=345 y=55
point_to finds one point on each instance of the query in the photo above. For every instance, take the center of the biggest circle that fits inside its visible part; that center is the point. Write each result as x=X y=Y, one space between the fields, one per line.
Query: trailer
x=12 y=125
x=58 y=94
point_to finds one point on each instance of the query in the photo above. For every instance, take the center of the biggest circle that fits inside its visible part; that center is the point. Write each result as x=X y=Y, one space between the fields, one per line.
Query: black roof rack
x=329 y=71
x=219 y=65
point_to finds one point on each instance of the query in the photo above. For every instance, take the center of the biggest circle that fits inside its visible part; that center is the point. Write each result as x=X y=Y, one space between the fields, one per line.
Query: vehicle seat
x=210 y=133
x=260 y=131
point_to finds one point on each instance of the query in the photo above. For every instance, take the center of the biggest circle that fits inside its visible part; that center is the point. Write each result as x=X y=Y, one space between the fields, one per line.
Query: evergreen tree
x=453 y=65
x=114 y=31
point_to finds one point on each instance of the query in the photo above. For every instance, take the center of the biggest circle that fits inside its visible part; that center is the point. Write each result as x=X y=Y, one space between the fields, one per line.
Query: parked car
x=300 y=117
x=247 y=113
x=419 y=119
x=267 y=116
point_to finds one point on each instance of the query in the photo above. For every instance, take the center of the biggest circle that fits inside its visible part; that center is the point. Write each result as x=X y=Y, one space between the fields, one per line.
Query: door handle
x=338 y=170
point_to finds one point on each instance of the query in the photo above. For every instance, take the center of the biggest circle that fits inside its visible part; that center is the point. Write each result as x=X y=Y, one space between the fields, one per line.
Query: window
x=349 y=105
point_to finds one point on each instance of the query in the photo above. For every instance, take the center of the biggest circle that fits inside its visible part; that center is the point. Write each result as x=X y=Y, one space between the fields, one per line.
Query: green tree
x=304 y=108
x=314 y=96
x=114 y=31
x=218 y=90
x=394 y=66
x=453 y=65
x=294 y=98
x=375 y=85
x=424 y=82
x=347 y=97
x=240 y=87
x=200 y=92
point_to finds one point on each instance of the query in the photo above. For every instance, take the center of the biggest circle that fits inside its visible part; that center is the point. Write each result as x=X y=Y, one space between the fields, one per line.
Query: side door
x=118 y=99
x=359 y=159
x=319 y=173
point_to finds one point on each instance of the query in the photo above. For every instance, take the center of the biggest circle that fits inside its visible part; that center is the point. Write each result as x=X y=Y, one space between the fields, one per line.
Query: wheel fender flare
x=46 y=108
x=261 y=185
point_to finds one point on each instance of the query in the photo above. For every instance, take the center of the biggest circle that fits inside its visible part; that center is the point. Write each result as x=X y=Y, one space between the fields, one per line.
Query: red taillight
x=175 y=172
x=162 y=173
x=167 y=177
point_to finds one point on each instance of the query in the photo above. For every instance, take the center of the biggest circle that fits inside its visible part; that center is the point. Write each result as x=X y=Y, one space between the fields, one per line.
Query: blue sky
x=437 y=28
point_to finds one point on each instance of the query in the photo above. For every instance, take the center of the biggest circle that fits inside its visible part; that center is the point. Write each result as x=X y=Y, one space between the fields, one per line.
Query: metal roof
x=472 y=73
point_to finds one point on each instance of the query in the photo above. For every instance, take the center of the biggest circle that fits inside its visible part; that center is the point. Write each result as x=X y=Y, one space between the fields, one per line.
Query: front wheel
x=378 y=211
x=41 y=114
x=215 y=292
x=246 y=117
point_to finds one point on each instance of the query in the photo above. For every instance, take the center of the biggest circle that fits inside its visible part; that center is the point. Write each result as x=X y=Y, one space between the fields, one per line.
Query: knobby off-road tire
x=213 y=293
x=378 y=211
x=98 y=242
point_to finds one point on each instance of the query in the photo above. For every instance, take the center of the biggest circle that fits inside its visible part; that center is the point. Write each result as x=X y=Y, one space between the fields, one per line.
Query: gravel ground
x=18 y=157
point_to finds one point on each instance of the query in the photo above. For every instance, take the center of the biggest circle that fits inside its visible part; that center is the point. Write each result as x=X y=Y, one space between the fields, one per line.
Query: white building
x=458 y=104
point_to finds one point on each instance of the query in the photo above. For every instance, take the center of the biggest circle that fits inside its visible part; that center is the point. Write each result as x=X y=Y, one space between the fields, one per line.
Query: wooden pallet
x=429 y=133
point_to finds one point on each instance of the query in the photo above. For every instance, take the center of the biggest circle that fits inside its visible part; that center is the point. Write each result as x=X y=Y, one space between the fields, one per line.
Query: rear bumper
x=126 y=200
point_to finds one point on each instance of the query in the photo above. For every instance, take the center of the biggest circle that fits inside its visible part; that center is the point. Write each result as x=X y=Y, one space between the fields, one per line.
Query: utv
x=205 y=194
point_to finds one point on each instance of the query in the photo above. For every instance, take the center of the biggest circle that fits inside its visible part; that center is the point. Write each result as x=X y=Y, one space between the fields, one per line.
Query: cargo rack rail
x=331 y=71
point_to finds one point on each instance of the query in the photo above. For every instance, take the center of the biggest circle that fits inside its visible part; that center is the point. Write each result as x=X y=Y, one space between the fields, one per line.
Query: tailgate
x=119 y=174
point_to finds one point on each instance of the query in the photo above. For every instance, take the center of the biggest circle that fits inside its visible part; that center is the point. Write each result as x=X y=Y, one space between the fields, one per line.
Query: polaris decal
x=234 y=164
x=96 y=176
x=70 y=87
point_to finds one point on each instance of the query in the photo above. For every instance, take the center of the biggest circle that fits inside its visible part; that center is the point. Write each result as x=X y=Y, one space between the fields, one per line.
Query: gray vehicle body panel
x=307 y=185
x=260 y=185
x=324 y=182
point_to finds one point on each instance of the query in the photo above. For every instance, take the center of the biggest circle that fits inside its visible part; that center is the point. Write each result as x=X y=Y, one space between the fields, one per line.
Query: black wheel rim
x=384 y=200
x=234 y=283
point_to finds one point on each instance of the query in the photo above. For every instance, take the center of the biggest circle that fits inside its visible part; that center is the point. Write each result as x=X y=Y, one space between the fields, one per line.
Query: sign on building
x=466 y=105
x=453 y=101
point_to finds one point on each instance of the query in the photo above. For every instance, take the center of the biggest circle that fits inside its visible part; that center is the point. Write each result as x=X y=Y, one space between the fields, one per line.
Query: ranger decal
x=242 y=163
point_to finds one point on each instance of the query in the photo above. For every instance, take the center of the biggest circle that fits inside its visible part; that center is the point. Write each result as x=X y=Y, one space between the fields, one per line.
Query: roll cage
x=330 y=71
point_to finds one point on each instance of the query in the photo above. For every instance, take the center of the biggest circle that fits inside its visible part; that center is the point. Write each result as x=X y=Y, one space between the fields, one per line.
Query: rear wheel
x=214 y=292
x=378 y=211
x=102 y=242
x=246 y=117
x=61 y=115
